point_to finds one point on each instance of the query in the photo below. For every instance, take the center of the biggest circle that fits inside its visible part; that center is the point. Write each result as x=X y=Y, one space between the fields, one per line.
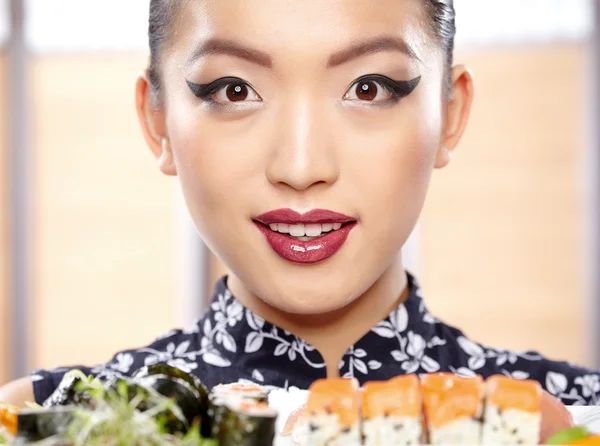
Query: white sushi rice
x=510 y=426
x=349 y=438
x=461 y=431
x=325 y=430
x=392 y=431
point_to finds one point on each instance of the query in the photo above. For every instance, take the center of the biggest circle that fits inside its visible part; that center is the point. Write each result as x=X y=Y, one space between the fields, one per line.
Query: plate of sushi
x=162 y=405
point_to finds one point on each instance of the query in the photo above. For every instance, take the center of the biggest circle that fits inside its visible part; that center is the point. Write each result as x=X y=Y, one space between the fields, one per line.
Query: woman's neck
x=333 y=333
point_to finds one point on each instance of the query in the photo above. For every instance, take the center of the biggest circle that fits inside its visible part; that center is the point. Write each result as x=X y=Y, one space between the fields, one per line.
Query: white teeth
x=327 y=227
x=305 y=232
x=313 y=230
x=297 y=230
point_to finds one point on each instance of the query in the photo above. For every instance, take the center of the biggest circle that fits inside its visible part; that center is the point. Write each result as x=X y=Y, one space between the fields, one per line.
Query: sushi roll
x=512 y=411
x=332 y=415
x=245 y=423
x=246 y=391
x=453 y=408
x=39 y=424
x=392 y=412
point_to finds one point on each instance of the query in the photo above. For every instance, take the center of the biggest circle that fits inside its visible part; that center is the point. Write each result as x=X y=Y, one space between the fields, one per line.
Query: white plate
x=587 y=416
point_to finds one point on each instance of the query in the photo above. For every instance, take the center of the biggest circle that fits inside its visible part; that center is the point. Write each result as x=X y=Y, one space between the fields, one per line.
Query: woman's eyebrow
x=231 y=48
x=370 y=46
x=355 y=50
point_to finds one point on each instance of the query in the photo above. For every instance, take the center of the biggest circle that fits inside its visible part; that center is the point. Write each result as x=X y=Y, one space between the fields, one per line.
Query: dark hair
x=443 y=21
x=163 y=13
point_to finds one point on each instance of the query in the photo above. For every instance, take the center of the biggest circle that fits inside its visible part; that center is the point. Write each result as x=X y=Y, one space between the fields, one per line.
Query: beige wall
x=4 y=290
x=501 y=230
x=105 y=236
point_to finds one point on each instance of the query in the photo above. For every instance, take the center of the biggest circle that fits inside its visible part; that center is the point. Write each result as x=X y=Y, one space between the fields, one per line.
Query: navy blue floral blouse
x=230 y=343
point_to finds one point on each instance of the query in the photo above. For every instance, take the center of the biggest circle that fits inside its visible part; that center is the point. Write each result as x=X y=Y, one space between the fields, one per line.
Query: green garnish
x=569 y=435
x=116 y=417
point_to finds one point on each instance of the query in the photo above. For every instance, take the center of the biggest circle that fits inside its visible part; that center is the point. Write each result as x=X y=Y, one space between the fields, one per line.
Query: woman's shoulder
x=573 y=384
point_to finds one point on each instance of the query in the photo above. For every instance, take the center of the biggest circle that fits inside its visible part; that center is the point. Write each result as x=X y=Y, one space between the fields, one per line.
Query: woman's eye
x=376 y=88
x=225 y=91
x=235 y=92
x=368 y=90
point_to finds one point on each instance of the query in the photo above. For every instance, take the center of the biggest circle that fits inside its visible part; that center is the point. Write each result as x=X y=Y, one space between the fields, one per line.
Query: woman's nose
x=303 y=154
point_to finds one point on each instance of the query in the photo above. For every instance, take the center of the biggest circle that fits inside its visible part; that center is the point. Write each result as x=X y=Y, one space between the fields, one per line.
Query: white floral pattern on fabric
x=231 y=343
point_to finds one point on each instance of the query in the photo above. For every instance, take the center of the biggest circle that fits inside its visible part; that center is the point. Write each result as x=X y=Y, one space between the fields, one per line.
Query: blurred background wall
x=4 y=286
x=115 y=261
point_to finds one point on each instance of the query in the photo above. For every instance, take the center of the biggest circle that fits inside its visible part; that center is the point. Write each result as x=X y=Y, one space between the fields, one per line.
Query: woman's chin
x=316 y=304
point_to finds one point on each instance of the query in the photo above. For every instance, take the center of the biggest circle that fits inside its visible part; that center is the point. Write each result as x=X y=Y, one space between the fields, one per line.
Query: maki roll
x=512 y=411
x=39 y=424
x=187 y=390
x=245 y=423
x=453 y=408
x=392 y=412
x=332 y=413
x=186 y=398
x=173 y=372
x=246 y=391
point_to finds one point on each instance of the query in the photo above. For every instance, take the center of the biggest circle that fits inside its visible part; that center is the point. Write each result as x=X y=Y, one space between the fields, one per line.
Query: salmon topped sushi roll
x=244 y=391
x=392 y=412
x=512 y=411
x=332 y=413
x=453 y=408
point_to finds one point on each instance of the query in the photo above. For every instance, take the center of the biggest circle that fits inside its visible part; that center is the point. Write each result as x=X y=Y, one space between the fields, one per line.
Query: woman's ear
x=152 y=120
x=457 y=114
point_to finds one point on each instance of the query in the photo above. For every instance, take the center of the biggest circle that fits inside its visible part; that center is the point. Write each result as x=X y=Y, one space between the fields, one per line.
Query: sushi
x=392 y=412
x=246 y=391
x=512 y=411
x=332 y=415
x=453 y=408
x=8 y=419
x=437 y=408
x=245 y=423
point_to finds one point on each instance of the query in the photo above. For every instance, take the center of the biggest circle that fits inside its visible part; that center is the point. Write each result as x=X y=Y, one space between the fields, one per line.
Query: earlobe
x=152 y=121
x=457 y=115
x=443 y=157
x=166 y=161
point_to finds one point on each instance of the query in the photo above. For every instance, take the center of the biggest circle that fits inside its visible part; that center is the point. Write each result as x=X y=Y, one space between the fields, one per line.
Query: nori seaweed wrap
x=193 y=411
x=133 y=388
x=39 y=424
x=186 y=398
x=216 y=410
x=165 y=369
x=245 y=423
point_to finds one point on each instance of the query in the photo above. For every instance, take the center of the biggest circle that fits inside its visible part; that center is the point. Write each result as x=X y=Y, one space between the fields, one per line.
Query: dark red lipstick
x=332 y=229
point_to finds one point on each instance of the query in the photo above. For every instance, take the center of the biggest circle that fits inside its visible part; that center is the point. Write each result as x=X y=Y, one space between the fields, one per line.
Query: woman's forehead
x=307 y=27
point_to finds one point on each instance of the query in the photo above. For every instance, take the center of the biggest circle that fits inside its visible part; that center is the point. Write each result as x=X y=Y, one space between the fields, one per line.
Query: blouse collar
x=233 y=336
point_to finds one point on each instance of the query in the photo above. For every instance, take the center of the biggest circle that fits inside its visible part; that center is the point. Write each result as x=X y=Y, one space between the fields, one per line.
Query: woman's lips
x=316 y=216
x=327 y=232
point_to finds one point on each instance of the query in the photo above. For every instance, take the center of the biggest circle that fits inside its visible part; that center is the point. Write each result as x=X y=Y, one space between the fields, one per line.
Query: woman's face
x=279 y=105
